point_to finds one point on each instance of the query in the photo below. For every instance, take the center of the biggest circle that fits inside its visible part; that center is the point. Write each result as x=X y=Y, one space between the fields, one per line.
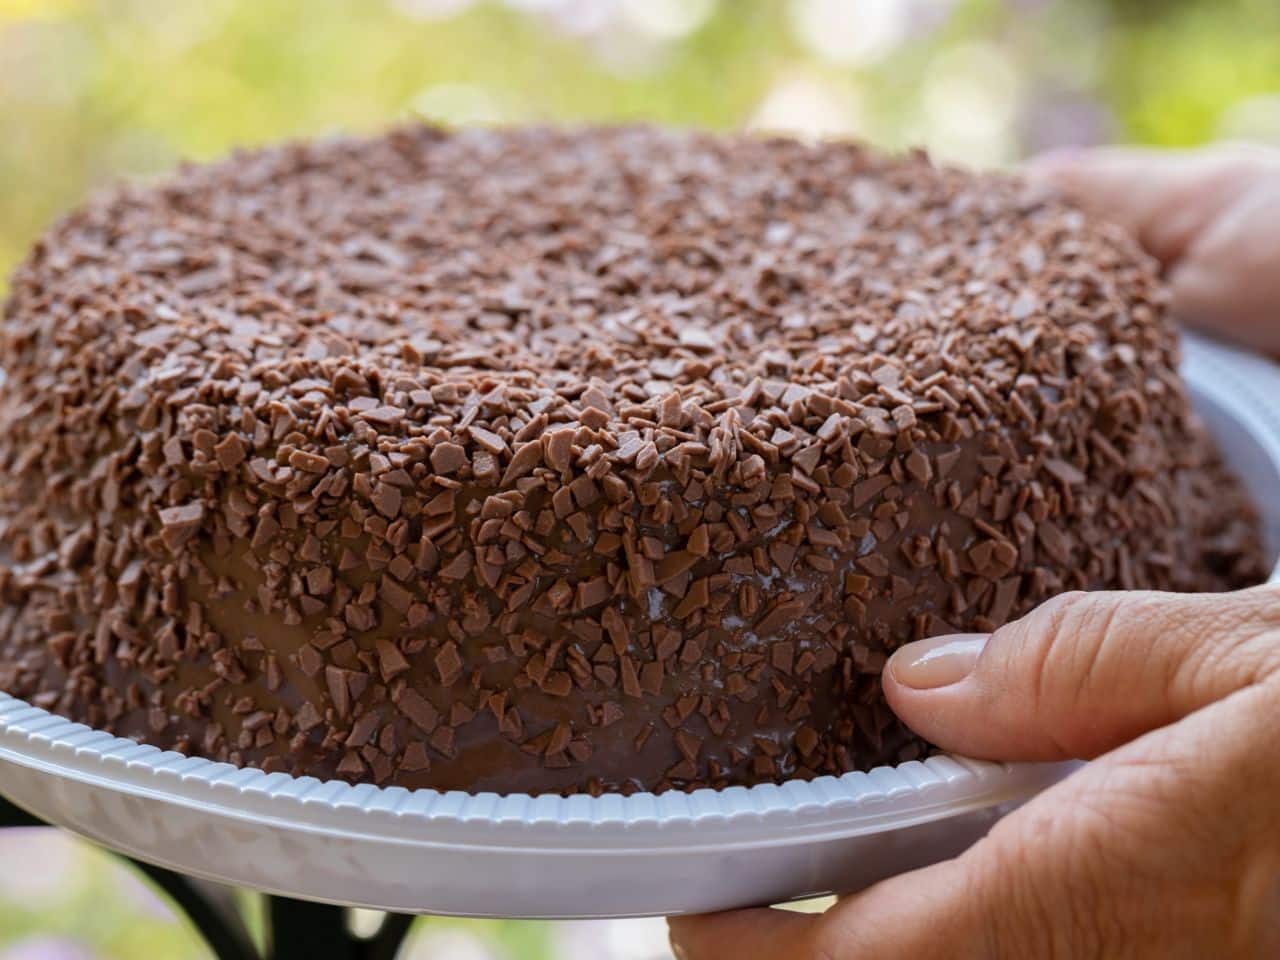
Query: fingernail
x=938 y=661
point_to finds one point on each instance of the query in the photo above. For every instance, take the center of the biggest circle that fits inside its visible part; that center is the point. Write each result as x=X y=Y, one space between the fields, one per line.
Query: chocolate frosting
x=539 y=460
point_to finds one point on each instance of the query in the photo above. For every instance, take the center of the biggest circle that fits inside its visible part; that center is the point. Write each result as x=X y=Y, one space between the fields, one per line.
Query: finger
x=996 y=901
x=1084 y=672
x=1095 y=866
x=744 y=935
x=1209 y=215
x=1228 y=281
x=911 y=915
x=1165 y=198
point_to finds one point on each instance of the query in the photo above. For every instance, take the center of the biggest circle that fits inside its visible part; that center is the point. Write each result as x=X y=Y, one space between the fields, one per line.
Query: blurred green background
x=93 y=91
x=90 y=92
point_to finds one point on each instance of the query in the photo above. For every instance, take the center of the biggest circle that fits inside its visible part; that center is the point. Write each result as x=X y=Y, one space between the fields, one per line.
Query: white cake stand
x=551 y=857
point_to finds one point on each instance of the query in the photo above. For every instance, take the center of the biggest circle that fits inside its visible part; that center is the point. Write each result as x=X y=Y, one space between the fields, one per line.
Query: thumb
x=1208 y=215
x=1085 y=672
x=1165 y=198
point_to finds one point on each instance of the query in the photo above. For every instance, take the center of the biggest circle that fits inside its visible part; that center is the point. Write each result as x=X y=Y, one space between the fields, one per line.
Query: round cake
x=556 y=461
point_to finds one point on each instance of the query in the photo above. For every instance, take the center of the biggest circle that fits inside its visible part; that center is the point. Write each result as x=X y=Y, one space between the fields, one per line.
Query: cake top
x=505 y=416
x=477 y=289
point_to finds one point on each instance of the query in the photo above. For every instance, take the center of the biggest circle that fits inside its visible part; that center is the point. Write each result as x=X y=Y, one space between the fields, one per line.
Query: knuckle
x=1057 y=611
x=1231 y=642
x=1074 y=643
x=1070 y=621
x=1035 y=637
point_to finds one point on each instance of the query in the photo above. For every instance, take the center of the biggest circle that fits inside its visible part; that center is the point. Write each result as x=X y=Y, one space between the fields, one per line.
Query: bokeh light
x=810 y=106
x=969 y=100
x=851 y=33
x=668 y=18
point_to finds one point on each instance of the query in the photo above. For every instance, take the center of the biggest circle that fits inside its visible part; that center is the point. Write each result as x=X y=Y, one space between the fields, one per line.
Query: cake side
x=572 y=460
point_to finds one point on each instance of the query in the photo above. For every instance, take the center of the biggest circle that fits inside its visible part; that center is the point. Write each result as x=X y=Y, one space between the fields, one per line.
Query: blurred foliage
x=61 y=898
x=91 y=91
x=57 y=893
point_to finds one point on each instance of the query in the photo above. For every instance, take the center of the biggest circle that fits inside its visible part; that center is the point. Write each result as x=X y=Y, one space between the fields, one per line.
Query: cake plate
x=551 y=857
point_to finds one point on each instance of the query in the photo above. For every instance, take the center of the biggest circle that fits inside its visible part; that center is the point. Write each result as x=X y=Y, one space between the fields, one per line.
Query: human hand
x=1167 y=846
x=1210 y=216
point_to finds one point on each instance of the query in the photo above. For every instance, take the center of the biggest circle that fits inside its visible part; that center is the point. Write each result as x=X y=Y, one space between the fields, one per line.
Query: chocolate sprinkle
x=566 y=461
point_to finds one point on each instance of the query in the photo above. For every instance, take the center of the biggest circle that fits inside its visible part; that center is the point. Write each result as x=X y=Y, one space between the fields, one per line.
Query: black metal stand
x=299 y=930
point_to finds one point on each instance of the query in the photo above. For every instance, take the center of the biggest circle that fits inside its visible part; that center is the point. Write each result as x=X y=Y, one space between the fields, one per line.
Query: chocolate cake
x=558 y=461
